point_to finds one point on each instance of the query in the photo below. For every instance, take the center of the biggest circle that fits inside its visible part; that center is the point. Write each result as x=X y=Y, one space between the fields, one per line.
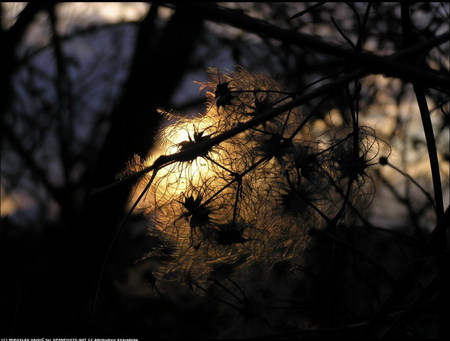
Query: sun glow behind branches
x=217 y=207
x=258 y=192
x=176 y=179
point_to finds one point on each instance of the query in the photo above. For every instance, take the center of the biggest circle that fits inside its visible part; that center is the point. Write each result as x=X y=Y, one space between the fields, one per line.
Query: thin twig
x=414 y=182
x=387 y=65
x=116 y=235
x=431 y=147
x=199 y=148
x=426 y=123
x=307 y=10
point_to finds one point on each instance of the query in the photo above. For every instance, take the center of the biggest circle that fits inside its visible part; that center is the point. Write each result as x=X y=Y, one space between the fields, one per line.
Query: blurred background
x=80 y=88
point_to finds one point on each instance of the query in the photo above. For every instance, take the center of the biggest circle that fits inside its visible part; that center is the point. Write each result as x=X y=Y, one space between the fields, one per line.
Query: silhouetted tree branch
x=387 y=66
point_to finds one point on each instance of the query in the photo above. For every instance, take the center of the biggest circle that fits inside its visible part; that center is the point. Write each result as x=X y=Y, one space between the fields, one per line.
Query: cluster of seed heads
x=255 y=196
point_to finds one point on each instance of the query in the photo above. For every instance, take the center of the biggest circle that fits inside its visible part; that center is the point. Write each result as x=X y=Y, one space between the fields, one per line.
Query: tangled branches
x=255 y=196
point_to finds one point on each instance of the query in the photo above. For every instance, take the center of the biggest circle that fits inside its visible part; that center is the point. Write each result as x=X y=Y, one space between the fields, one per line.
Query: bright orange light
x=175 y=179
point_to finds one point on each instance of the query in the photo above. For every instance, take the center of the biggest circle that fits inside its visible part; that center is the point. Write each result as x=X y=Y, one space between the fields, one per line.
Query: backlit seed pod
x=253 y=197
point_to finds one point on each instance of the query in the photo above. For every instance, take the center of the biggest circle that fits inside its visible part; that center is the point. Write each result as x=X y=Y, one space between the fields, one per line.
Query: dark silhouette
x=303 y=132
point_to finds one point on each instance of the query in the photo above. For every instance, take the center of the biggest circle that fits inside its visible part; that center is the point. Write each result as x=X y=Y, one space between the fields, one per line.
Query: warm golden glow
x=177 y=178
x=12 y=203
x=7 y=206
x=258 y=192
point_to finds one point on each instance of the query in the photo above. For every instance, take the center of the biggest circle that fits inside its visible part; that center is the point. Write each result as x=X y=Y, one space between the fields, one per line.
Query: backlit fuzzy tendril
x=253 y=197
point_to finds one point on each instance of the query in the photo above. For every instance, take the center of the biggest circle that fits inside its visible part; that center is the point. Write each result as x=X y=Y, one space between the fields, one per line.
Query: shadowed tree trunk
x=133 y=126
x=135 y=121
x=9 y=40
